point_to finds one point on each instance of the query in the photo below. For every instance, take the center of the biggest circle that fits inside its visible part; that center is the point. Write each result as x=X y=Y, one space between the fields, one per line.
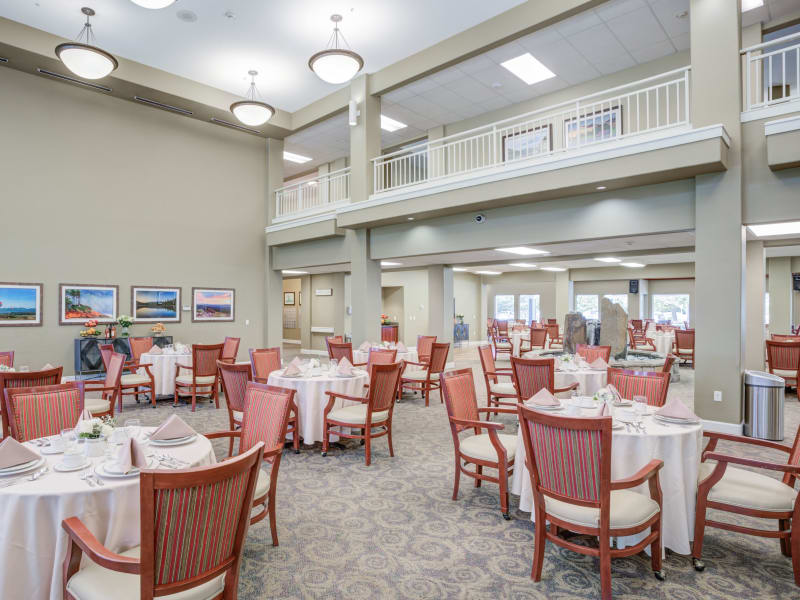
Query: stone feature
x=574 y=331
x=613 y=328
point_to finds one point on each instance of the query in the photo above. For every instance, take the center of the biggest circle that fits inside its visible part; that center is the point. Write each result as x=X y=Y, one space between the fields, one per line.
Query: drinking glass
x=69 y=437
x=132 y=427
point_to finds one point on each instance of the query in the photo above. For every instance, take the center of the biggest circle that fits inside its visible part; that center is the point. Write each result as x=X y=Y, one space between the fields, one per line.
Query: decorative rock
x=574 y=331
x=613 y=328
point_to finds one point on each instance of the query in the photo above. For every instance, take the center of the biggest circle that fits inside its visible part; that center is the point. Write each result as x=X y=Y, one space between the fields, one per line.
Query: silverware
x=38 y=473
x=85 y=476
x=97 y=480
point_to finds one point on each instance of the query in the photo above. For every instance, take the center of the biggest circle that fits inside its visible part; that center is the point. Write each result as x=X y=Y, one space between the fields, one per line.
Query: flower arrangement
x=6 y=368
x=158 y=329
x=566 y=357
x=96 y=428
x=460 y=319
x=91 y=329
x=125 y=321
x=384 y=319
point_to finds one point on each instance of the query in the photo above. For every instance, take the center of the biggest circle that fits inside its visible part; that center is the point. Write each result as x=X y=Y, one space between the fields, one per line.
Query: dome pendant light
x=84 y=58
x=335 y=64
x=154 y=4
x=252 y=112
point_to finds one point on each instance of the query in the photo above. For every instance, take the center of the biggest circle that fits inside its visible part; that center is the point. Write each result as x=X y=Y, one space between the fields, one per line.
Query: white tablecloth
x=361 y=356
x=162 y=366
x=33 y=544
x=516 y=340
x=678 y=446
x=663 y=341
x=589 y=381
x=311 y=398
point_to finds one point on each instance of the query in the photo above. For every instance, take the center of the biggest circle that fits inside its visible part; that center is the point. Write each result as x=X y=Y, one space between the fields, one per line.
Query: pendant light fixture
x=154 y=4
x=252 y=111
x=336 y=64
x=84 y=58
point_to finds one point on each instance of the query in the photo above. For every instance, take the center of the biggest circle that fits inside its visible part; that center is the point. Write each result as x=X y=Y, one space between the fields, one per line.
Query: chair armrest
x=355 y=364
x=478 y=424
x=136 y=366
x=571 y=386
x=273 y=452
x=498 y=373
x=89 y=388
x=751 y=462
x=222 y=434
x=261 y=379
x=179 y=367
x=419 y=364
x=651 y=469
x=491 y=409
x=715 y=436
x=99 y=554
x=346 y=397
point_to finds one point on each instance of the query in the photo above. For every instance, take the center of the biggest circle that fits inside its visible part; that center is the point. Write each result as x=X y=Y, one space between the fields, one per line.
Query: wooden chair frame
x=338 y=339
x=425 y=347
x=294 y=414
x=663 y=375
x=342 y=348
x=110 y=390
x=640 y=342
x=231 y=354
x=7 y=358
x=131 y=389
x=491 y=374
x=539 y=362
x=8 y=403
x=772 y=346
x=554 y=339
x=13 y=379
x=531 y=344
x=680 y=347
x=429 y=384
x=195 y=387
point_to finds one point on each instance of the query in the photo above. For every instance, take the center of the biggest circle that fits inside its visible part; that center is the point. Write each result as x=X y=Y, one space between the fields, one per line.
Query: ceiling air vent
x=163 y=106
x=94 y=86
x=234 y=125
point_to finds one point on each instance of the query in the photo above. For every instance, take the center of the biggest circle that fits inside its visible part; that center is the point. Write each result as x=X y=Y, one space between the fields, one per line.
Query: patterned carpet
x=391 y=530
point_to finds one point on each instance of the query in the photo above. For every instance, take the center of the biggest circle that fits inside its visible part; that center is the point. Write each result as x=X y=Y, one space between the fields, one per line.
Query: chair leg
x=503 y=494
x=699 y=532
x=194 y=399
x=216 y=394
x=441 y=396
x=175 y=402
x=273 y=527
x=605 y=567
x=152 y=389
x=389 y=439
x=655 y=551
x=326 y=433
x=479 y=471
x=795 y=549
x=427 y=396
x=296 y=437
x=538 y=549
x=786 y=543
x=119 y=402
x=457 y=478
x=368 y=447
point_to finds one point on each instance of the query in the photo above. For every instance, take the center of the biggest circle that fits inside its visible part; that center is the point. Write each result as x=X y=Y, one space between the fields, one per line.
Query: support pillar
x=441 y=313
x=755 y=288
x=780 y=295
x=365 y=139
x=365 y=278
x=273 y=281
x=564 y=297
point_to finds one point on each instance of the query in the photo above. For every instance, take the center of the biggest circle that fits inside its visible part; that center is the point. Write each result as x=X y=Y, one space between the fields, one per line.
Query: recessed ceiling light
x=388 y=263
x=522 y=250
x=312 y=182
x=527 y=68
x=632 y=265
x=601 y=187
x=553 y=269
x=523 y=265
x=682 y=14
x=410 y=218
x=290 y=272
x=295 y=158
x=768 y=229
x=751 y=4
x=389 y=124
x=497 y=85
x=608 y=259
x=488 y=272
x=460 y=269
x=186 y=16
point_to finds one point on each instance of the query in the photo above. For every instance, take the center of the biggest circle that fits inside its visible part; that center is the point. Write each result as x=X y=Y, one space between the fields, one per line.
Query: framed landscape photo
x=213 y=304
x=20 y=304
x=79 y=303
x=527 y=144
x=150 y=304
x=603 y=125
x=288 y=298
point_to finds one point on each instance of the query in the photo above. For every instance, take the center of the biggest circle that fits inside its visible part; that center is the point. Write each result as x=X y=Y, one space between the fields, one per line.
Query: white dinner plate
x=175 y=441
x=676 y=420
x=50 y=450
x=291 y=376
x=24 y=467
x=617 y=424
x=61 y=468
x=547 y=408
x=103 y=472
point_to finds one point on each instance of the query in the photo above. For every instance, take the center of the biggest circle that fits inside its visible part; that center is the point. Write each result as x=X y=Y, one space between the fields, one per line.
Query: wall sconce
x=353 y=113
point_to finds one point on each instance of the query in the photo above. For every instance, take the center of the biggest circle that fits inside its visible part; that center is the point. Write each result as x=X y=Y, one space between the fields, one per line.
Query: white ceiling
x=772 y=9
x=274 y=37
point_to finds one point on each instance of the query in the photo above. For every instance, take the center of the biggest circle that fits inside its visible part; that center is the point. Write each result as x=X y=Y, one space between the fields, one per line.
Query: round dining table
x=589 y=380
x=679 y=446
x=361 y=356
x=33 y=544
x=162 y=366
x=516 y=340
x=311 y=399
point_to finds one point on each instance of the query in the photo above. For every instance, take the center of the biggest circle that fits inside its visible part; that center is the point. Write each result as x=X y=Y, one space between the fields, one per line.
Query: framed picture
x=155 y=304
x=528 y=143
x=604 y=124
x=213 y=304
x=288 y=298
x=20 y=304
x=78 y=303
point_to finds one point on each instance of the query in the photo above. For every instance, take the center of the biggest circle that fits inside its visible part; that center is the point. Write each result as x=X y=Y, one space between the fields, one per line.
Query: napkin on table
x=401 y=347
x=296 y=361
x=155 y=350
x=173 y=427
x=365 y=346
x=291 y=370
x=598 y=364
x=86 y=415
x=603 y=411
x=47 y=367
x=678 y=410
x=542 y=398
x=12 y=453
x=614 y=392
x=344 y=367
x=131 y=455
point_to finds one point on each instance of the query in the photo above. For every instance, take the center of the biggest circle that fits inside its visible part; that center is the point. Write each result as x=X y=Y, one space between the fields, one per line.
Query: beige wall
x=532 y=282
x=327 y=311
x=393 y=307
x=415 y=301
x=102 y=191
x=293 y=285
x=467 y=295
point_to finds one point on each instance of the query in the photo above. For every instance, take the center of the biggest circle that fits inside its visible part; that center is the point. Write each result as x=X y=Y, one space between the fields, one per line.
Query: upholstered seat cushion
x=749 y=489
x=502 y=388
x=187 y=380
x=135 y=379
x=685 y=351
x=98 y=583
x=480 y=446
x=96 y=405
x=505 y=345
x=237 y=415
x=418 y=375
x=785 y=373
x=262 y=484
x=356 y=414
x=628 y=509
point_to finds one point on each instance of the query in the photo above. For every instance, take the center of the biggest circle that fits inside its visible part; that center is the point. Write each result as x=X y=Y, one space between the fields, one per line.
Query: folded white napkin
x=344 y=367
x=598 y=364
x=678 y=410
x=12 y=453
x=130 y=455
x=155 y=350
x=296 y=361
x=173 y=427
x=291 y=370
x=365 y=346
x=47 y=367
x=542 y=398
x=614 y=392
x=86 y=415
x=401 y=347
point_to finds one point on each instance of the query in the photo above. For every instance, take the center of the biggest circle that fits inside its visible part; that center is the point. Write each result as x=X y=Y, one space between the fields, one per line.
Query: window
x=529 y=307
x=504 y=307
x=588 y=305
x=671 y=307
x=621 y=299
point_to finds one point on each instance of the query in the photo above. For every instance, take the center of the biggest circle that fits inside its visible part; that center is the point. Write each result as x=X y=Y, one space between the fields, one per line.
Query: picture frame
x=155 y=304
x=21 y=304
x=213 y=304
x=591 y=126
x=78 y=303
x=288 y=298
x=516 y=145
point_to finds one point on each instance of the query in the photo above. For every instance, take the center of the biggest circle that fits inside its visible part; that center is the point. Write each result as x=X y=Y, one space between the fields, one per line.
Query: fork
x=85 y=476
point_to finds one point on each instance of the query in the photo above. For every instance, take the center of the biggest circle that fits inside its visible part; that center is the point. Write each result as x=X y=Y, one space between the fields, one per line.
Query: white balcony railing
x=633 y=109
x=772 y=72
x=313 y=195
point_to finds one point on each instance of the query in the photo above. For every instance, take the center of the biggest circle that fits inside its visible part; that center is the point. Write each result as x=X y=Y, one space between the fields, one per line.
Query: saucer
x=61 y=468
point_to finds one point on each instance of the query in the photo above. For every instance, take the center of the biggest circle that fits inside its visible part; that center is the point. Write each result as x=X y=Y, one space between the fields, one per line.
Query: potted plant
x=125 y=321
x=460 y=319
x=94 y=432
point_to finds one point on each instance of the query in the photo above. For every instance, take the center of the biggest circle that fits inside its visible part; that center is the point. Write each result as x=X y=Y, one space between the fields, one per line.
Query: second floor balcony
x=310 y=197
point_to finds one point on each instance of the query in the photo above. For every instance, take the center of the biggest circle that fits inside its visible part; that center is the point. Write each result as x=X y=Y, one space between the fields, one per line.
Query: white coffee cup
x=572 y=410
x=56 y=443
x=73 y=457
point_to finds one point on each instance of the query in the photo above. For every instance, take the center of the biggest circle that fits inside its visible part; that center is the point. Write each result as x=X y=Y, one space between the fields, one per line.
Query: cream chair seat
x=502 y=388
x=786 y=374
x=187 y=380
x=748 y=489
x=417 y=375
x=505 y=345
x=96 y=405
x=480 y=446
x=134 y=379
x=98 y=583
x=262 y=484
x=238 y=415
x=356 y=414
x=628 y=509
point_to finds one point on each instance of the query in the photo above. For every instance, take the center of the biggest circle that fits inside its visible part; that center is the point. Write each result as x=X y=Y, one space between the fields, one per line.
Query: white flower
x=106 y=430
x=86 y=426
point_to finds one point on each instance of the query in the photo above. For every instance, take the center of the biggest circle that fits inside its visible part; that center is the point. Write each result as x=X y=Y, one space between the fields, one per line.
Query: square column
x=565 y=299
x=365 y=282
x=273 y=302
x=365 y=139
x=274 y=174
x=756 y=284
x=441 y=312
x=780 y=295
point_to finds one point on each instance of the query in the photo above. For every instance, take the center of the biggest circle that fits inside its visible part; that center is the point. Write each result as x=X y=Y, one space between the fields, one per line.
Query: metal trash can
x=763 y=405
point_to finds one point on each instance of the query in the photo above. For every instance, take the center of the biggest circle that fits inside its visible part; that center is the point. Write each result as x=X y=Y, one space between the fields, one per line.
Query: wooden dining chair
x=263 y=362
x=234 y=379
x=638 y=326
x=536 y=340
x=569 y=464
x=7 y=358
x=556 y=340
x=110 y=388
x=339 y=350
x=425 y=379
x=640 y=342
x=684 y=345
x=552 y=321
x=133 y=383
x=425 y=347
x=372 y=412
x=778 y=337
x=139 y=346
x=498 y=393
x=338 y=339
x=265 y=422
x=11 y=379
x=203 y=374
x=592 y=353
x=533 y=374
x=749 y=493
x=193 y=524
x=37 y=412
x=653 y=385
x=492 y=450
x=501 y=345
x=783 y=359
x=668 y=362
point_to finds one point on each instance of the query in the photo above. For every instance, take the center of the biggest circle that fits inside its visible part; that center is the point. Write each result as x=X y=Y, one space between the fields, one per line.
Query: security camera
x=480 y=219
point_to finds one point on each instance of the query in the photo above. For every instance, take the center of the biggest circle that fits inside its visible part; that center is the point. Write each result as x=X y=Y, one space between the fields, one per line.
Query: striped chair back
x=383 y=383
x=114 y=369
x=684 y=339
x=193 y=523
x=264 y=361
x=531 y=375
x=668 y=362
x=637 y=325
x=487 y=361
x=10 y=379
x=568 y=458
x=784 y=356
x=139 y=345
x=334 y=338
x=592 y=353
x=552 y=321
x=458 y=388
x=438 y=361
x=339 y=350
x=775 y=337
x=424 y=346
x=230 y=348
x=502 y=328
x=36 y=412
x=266 y=416
x=204 y=359
x=651 y=385
x=234 y=383
x=538 y=337
x=380 y=356
x=7 y=358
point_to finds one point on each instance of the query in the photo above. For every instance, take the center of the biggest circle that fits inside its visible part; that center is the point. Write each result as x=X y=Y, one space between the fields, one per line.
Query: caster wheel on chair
x=699 y=565
x=298 y=452
x=324 y=454
x=506 y=516
x=660 y=575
